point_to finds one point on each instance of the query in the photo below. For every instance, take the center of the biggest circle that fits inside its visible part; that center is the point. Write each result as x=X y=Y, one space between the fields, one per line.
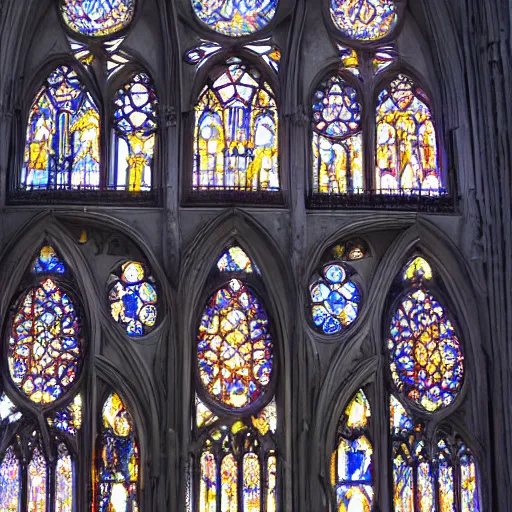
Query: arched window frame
x=370 y=85
x=102 y=86
x=270 y=443
x=205 y=76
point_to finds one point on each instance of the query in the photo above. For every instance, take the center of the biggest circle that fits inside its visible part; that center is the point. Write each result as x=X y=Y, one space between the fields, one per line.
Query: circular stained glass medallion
x=134 y=299
x=97 y=18
x=235 y=349
x=364 y=20
x=335 y=300
x=235 y=18
x=45 y=348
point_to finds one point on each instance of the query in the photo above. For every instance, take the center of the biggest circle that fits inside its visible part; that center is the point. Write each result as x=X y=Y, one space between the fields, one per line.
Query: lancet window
x=236 y=132
x=391 y=150
x=235 y=419
x=67 y=147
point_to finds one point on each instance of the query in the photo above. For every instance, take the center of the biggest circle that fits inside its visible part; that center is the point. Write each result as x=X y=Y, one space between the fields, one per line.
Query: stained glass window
x=134 y=299
x=236 y=463
x=407 y=158
x=45 y=347
x=235 y=140
x=134 y=136
x=426 y=481
x=337 y=138
x=335 y=300
x=69 y=419
x=235 y=260
x=98 y=17
x=235 y=17
x=365 y=20
x=10 y=482
x=118 y=460
x=351 y=463
x=62 y=148
x=235 y=348
x=37 y=482
x=64 y=481
x=348 y=250
x=425 y=353
x=48 y=262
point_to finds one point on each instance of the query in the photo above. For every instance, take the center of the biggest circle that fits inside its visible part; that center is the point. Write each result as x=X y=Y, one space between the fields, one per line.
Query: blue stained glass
x=134 y=299
x=236 y=260
x=335 y=300
x=235 y=17
x=97 y=17
x=48 y=262
x=62 y=149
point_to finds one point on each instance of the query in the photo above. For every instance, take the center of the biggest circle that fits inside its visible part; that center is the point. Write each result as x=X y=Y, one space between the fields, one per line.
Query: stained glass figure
x=118 y=460
x=235 y=348
x=351 y=463
x=229 y=484
x=48 y=262
x=335 y=300
x=445 y=478
x=235 y=260
x=364 y=20
x=425 y=353
x=64 y=481
x=134 y=299
x=208 y=485
x=97 y=18
x=134 y=135
x=337 y=138
x=10 y=482
x=45 y=348
x=407 y=158
x=235 y=18
x=62 y=148
x=37 y=483
x=252 y=483
x=469 y=496
x=235 y=141
x=9 y=413
x=69 y=419
x=272 y=483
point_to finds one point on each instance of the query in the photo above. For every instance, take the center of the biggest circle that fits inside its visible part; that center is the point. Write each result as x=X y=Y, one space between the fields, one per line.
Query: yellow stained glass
x=229 y=487
x=252 y=483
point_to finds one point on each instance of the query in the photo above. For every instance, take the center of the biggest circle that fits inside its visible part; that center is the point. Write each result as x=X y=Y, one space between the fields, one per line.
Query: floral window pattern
x=351 y=462
x=421 y=481
x=235 y=18
x=62 y=150
x=235 y=140
x=236 y=467
x=407 y=156
x=235 y=348
x=118 y=460
x=337 y=138
x=45 y=345
x=425 y=353
x=134 y=136
x=134 y=299
x=364 y=20
x=335 y=300
x=99 y=17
